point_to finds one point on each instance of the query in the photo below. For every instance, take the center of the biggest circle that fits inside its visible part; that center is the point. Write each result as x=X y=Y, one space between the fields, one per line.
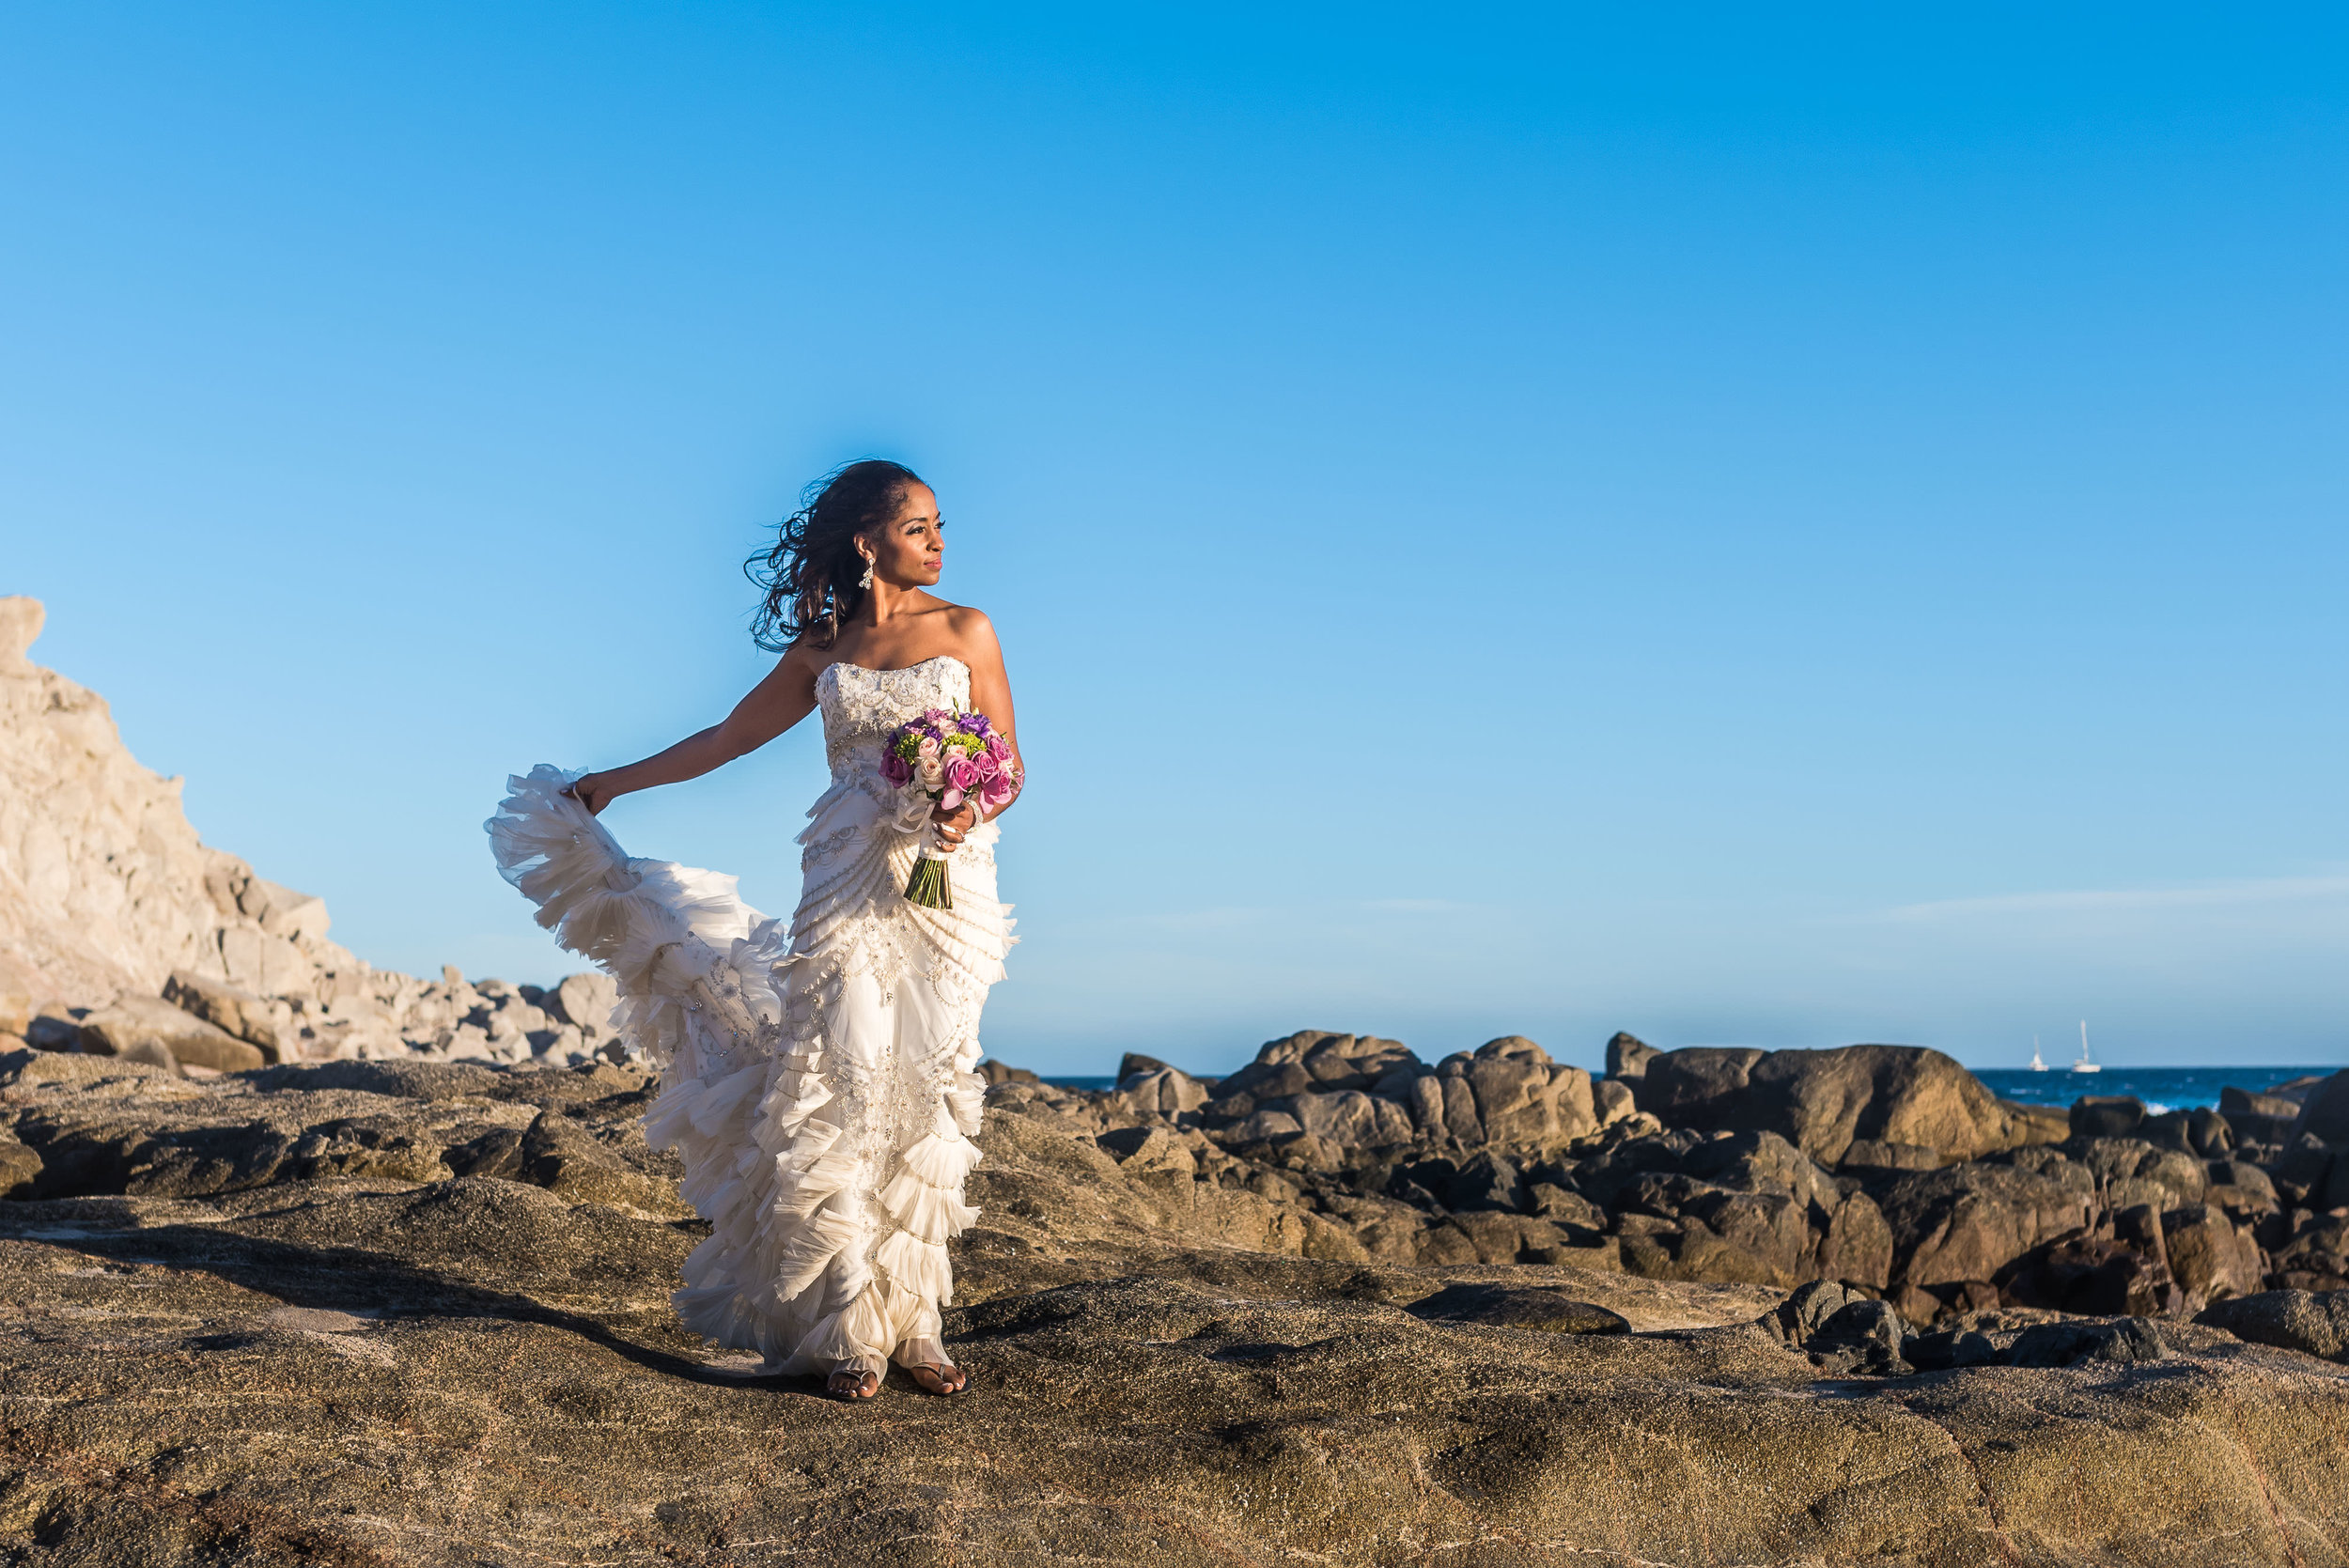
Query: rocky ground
x=412 y=1312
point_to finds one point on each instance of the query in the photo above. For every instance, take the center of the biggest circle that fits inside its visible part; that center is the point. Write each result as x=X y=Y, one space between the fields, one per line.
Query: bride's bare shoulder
x=969 y=628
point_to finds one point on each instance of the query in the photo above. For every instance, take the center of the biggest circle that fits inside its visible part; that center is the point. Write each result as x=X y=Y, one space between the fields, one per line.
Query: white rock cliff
x=112 y=907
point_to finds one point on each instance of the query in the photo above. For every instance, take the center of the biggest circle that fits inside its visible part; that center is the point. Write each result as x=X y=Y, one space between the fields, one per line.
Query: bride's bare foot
x=852 y=1383
x=944 y=1377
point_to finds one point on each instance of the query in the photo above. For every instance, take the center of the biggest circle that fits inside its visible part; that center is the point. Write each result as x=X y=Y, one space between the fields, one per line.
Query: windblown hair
x=809 y=575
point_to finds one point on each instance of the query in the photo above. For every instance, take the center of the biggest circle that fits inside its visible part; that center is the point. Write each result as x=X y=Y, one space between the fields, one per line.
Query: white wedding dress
x=817 y=1083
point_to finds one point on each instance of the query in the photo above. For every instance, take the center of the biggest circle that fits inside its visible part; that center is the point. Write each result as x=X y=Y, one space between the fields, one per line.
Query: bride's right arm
x=783 y=699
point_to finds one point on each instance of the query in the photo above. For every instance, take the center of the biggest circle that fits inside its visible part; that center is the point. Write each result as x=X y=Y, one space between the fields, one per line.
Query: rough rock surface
x=342 y=1315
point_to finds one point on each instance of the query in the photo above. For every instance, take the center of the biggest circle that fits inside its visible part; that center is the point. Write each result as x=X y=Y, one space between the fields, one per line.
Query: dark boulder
x=1548 y=1311
x=2069 y=1344
x=2130 y=1171
x=1861 y=1338
x=2313 y=1255
x=2259 y=1118
x=1823 y=1101
x=2106 y=1116
x=1952 y=1348
x=1970 y=1221
x=20 y=1167
x=1510 y=1091
x=1628 y=1056
x=2209 y=1256
x=1487 y=1181
x=1316 y=1059
x=2242 y=1186
x=2209 y=1134
x=1798 y=1317
x=2325 y=1115
x=1687 y=1249
x=2317 y=1324
x=2094 y=1272
x=1761 y=1162
x=1770 y=1229
x=1857 y=1245
x=1602 y=1177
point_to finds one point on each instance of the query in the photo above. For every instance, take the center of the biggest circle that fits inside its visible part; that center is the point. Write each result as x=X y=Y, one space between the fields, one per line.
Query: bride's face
x=910 y=551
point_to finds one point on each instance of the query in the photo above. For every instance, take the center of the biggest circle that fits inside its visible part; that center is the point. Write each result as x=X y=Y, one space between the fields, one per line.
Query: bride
x=817 y=1081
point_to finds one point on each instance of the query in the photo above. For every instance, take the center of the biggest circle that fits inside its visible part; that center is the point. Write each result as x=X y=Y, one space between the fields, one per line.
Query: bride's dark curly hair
x=809 y=575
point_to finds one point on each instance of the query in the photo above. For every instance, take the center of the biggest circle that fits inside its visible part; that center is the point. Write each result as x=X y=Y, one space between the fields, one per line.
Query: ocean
x=2161 y=1088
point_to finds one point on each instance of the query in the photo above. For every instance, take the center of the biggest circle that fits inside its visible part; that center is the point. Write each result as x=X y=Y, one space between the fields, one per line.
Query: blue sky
x=1775 y=529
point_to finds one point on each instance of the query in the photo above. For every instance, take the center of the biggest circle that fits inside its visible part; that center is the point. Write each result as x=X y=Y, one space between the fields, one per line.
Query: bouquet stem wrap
x=926 y=885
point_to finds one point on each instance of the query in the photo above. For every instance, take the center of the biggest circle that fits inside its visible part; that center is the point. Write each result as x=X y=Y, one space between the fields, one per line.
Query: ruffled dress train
x=817 y=1083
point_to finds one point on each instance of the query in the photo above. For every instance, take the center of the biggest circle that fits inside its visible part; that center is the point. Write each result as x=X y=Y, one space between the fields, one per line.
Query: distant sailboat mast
x=2037 y=1064
x=2084 y=1065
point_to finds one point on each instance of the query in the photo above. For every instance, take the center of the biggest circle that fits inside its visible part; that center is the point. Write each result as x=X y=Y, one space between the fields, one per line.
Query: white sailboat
x=2084 y=1065
x=2037 y=1064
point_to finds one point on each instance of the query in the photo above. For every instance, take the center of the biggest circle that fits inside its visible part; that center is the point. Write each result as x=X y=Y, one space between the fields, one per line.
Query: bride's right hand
x=593 y=791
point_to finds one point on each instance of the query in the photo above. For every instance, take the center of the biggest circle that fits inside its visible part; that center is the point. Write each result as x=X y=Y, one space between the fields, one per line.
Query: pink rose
x=997 y=792
x=962 y=773
x=951 y=800
x=928 y=746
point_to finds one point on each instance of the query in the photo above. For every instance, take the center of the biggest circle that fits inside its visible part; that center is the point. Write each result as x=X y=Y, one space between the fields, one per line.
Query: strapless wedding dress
x=817 y=1081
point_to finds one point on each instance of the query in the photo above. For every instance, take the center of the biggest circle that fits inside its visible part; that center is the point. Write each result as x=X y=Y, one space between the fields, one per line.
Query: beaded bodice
x=861 y=706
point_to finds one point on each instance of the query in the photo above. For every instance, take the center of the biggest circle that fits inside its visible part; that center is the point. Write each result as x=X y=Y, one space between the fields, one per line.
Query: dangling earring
x=866 y=581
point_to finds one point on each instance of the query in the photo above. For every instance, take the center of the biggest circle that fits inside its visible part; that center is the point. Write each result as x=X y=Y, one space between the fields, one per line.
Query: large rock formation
x=104 y=887
x=410 y=1312
x=110 y=905
x=1501 y=1157
x=1824 y=1101
x=1395 y=1161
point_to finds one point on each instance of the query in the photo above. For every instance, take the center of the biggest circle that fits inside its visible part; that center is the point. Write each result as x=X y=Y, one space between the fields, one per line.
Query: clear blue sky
x=1744 y=524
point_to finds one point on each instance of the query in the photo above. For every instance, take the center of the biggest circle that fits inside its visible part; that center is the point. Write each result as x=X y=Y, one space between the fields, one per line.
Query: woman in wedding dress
x=818 y=1079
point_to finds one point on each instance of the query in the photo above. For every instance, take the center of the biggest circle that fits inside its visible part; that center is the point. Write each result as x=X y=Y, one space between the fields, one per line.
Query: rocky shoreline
x=411 y=1313
x=1889 y=1169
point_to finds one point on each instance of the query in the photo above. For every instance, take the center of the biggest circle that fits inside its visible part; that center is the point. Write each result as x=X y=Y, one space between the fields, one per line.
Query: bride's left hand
x=953 y=824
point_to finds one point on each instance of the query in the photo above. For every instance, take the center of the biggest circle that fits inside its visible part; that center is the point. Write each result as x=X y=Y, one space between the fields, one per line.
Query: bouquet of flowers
x=948 y=757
